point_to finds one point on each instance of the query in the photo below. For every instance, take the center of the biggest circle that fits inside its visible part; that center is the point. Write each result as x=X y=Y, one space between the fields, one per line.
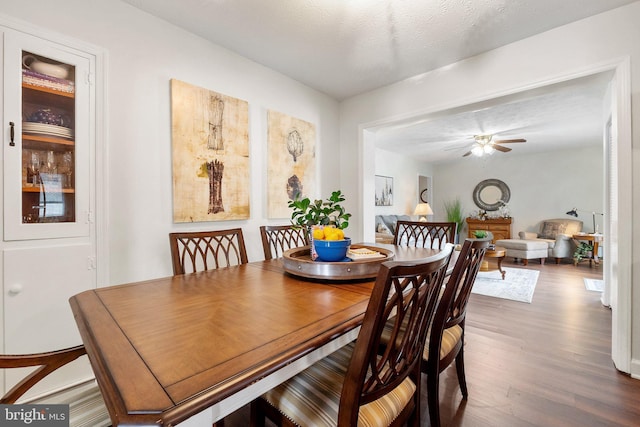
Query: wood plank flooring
x=547 y=363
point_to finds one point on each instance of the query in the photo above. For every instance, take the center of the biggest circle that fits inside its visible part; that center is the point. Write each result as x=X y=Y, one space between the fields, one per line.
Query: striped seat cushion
x=312 y=397
x=450 y=338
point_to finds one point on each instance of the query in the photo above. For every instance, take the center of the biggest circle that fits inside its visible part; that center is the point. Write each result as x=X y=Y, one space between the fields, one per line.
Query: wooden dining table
x=163 y=350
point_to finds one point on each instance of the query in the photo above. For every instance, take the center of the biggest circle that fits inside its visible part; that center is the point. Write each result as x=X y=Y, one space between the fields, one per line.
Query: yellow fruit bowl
x=332 y=250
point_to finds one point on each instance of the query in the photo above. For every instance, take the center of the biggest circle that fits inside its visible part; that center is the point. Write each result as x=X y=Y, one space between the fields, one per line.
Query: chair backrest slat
x=434 y=235
x=205 y=250
x=276 y=239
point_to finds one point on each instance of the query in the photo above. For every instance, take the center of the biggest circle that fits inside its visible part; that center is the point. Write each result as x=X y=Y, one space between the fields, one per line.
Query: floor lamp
x=574 y=212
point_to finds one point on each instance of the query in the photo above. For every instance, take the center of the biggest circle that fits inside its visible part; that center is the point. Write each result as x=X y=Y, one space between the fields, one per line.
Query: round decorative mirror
x=491 y=194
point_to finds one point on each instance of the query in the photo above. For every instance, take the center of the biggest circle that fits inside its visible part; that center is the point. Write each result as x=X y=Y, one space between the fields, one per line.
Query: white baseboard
x=86 y=407
x=635 y=369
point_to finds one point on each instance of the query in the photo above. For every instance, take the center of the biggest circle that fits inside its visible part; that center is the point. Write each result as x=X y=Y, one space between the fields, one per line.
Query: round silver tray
x=297 y=261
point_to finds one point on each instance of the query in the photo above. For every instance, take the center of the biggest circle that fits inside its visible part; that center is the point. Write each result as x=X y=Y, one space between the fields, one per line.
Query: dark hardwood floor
x=547 y=363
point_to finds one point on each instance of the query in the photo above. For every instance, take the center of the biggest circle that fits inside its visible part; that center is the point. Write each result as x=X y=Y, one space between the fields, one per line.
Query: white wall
x=542 y=185
x=566 y=52
x=404 y=172
x=144 y=53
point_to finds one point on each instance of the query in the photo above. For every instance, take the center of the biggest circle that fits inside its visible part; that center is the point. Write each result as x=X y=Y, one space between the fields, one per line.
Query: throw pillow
x=551 y=229
x=383 y=228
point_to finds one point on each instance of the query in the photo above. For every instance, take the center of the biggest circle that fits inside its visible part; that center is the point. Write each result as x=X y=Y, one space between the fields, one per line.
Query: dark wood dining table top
x=165 y=349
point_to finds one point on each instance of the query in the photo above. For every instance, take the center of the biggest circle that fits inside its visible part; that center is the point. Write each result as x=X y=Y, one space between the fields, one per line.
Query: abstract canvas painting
x=291 y=162
x=210 y=139
x=384 y=190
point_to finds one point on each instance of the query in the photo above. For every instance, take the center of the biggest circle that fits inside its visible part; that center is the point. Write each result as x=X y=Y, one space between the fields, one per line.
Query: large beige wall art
x=291 y=160
x=210 y=137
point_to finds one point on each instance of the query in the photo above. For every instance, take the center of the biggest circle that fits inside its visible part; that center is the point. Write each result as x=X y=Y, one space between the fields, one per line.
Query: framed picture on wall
x=384 y=190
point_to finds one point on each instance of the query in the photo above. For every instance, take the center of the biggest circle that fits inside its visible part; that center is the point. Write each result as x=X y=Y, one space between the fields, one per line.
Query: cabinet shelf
x=48 y=90
x=37 y=190
x=40 y=142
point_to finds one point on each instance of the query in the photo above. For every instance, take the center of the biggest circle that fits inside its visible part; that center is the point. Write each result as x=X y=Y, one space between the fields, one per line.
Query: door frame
x=619 y=224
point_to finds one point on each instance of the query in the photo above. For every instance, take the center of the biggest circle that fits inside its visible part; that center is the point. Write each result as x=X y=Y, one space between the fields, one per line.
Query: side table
x=595 y=240
x=493 y=260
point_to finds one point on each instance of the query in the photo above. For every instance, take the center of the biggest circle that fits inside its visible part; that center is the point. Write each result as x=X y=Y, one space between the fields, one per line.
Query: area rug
x=518 y=284
x=596 y=285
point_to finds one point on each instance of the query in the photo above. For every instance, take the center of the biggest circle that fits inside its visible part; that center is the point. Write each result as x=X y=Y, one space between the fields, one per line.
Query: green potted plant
x=325 y=221
x=455 y=214
x=583 y=250
x=480 y=234
x=320 y=212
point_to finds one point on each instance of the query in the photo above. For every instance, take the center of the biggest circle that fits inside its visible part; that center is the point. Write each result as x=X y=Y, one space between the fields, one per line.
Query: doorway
x=618 y=198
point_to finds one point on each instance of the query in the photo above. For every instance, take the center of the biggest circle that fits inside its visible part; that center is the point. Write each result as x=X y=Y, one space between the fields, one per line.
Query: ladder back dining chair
x=207 y=250
x=276 y=239
x=445 y=342
x=362 y=383
x=434 y=235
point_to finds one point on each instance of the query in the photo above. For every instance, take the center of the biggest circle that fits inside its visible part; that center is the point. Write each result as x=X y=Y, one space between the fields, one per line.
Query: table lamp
x=422 y=210
x=574 y=212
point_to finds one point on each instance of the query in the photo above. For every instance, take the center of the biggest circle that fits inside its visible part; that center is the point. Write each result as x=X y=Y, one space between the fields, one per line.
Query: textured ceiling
x=554 y=117
x=347 y=47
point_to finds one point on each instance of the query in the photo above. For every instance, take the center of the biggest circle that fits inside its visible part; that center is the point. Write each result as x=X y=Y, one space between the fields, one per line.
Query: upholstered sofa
x=386 y=226
x=554 y=240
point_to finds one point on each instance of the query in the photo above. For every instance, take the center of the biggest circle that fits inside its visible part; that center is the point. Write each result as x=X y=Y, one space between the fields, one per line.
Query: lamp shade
x=423 y=209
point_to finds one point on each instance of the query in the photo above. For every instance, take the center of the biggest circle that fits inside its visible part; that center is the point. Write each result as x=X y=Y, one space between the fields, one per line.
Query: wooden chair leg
x=462 y=380
x=261 y=410
x=257 y=418
x=433 y=400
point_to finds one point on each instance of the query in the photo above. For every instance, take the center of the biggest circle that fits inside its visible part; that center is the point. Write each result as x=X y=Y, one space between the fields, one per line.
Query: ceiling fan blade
x=508 y=141
x=501 y=148
x=466 y=154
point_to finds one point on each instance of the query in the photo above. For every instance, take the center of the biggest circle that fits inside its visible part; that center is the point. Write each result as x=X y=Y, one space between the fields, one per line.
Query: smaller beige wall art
x=210 y=138
x=291 y=159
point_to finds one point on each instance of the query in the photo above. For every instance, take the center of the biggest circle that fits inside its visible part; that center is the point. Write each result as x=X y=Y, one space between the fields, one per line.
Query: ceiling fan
x=485 y=145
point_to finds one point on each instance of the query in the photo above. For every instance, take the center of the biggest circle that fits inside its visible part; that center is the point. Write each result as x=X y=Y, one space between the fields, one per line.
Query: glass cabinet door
x=47 y=109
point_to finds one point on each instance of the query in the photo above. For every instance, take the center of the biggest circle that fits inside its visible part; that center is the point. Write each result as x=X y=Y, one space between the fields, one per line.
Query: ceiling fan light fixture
x=483 y=139
x=477 y=151
x=488 y=149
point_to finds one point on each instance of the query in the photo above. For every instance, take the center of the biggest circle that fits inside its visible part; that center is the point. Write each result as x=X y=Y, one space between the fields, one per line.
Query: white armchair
x=558 y=235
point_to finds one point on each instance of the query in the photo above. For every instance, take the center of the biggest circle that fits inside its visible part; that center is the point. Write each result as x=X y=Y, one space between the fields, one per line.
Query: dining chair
x=434 y=235
x=276 y=239
x=362 y=383
x=47 y=362
x=205 y=250
x=445 y=342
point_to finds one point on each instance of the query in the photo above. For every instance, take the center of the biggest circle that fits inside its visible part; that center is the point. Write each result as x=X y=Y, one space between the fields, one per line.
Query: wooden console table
x=499 y=227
